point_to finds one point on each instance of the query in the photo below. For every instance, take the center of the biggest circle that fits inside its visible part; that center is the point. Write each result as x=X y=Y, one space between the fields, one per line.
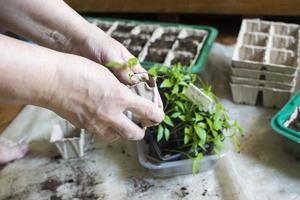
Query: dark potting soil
x=173 y=149
x=170 y=36
x=134 y=50
x=124 y=28
x=51 y=184
x=119 y=38
x=103 y=27
x=197 y=38
x=161 y=44
x=184 y=60
x=155 y=56
x=146 y=32
x=187 y=45
x=295 y=124
x=138 y=41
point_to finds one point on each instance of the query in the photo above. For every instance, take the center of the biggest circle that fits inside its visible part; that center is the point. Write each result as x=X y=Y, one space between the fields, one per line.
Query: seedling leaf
x=168 y=120
x=160 y=133
x=167 y=83
x=132 y=62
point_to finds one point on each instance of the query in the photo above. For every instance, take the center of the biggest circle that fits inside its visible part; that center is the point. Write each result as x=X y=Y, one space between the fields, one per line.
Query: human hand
x=10 y=150
x=91 y=97
x=103 y=49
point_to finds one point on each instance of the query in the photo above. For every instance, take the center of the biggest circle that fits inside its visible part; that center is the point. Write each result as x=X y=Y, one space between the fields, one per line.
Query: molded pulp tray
x=161 y=43
x=280 y=122
x=173 y=168
x=266 y=60
x=273 y=46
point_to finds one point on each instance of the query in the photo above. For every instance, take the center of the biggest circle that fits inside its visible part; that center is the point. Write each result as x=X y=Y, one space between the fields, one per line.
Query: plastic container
x=279 y=124
x=173 y=168
x=161 y=43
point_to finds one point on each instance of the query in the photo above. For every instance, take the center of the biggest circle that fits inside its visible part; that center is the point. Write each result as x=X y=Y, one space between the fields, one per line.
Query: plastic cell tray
x=280 y=123
x=161 y=43
x=265 y=59
x=173 y=168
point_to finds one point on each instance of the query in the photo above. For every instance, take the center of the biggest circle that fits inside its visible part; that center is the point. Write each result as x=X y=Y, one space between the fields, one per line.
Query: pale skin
x=71 y=79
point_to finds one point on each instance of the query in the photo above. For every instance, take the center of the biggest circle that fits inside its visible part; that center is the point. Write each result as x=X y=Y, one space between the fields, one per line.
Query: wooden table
x=232 y=7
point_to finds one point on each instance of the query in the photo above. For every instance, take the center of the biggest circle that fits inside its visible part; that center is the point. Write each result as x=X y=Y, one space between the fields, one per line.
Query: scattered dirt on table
x=54 y=197
x=183 y=192
x=141 y=184
x=83 y=181
x=204 y=192
x=51 y=184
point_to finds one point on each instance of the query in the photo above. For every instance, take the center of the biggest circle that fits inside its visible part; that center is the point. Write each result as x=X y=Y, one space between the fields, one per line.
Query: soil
x=155 y=56
x=103 y=27
x=169 y=149
x=295 y=124
x=161 y=44
x=124 y=28
x=141 y=184
x=135 y=50
x=197 y=38
x=138 y=41
x=204 y=192
x=119 y=38
x=51 y=184
x=184 y=60
x=183 y=192
x=187 y=45
x=170 y=36
x=83 y=181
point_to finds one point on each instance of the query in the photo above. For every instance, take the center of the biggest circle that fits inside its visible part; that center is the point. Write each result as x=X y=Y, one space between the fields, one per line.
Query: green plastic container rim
x=283 y=115
x=201 y=60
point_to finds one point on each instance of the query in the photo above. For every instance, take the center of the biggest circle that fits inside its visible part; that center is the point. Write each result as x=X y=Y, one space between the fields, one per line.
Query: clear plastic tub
x=173 y=168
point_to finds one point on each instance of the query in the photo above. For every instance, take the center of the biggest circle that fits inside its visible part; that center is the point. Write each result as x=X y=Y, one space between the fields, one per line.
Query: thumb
x=10 y=153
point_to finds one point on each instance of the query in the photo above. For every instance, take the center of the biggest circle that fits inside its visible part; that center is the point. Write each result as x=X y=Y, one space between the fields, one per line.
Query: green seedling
x=130 y=63
x=201 y=129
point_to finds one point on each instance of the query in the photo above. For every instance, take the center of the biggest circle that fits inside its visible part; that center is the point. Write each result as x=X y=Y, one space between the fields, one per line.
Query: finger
x=138 y=69
x=110 y=135
x=145 y=108
x=158 y=98
x=127 y=129
x=8 y=154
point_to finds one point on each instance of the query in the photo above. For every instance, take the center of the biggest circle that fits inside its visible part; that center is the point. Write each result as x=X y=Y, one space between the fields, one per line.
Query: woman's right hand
x=91 y=97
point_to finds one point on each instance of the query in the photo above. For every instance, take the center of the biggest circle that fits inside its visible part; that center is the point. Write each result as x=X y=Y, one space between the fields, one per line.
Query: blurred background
x=225 y=15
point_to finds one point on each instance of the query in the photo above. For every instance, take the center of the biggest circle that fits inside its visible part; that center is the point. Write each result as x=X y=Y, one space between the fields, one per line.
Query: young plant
x=201 y=130
x=130 y=63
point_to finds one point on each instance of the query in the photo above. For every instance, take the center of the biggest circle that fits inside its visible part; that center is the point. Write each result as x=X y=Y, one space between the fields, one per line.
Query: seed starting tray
x=265 y=59
x=281 y=121
x=161 y=43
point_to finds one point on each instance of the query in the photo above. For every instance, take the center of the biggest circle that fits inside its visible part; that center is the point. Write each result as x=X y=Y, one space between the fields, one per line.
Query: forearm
x=27 y=72
x=49 y=23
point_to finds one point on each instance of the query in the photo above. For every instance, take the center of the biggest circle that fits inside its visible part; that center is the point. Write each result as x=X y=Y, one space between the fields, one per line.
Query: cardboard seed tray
x=281 y=121
x=271 y=46
x=147 y=90
x=263 y=75
x=263 y=83
x=248 y=94
x=161 y=43
x=71 y=142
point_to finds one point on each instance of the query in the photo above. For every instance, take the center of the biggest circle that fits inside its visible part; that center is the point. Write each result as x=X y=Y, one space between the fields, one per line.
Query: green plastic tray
x=200 y=61
x=292 y=137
